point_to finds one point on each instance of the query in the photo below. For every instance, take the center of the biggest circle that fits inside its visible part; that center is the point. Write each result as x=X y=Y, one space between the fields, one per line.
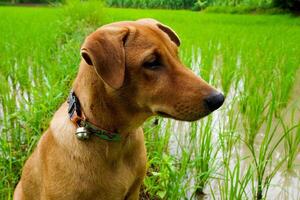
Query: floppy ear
x=104 y=49
x=170 y=32
x=172 y=35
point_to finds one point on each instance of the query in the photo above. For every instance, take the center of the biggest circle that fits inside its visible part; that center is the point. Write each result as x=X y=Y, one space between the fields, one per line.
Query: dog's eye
x=154 y=64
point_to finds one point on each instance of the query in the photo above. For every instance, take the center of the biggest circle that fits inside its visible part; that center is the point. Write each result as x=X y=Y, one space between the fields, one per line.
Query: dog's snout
x=214 y=101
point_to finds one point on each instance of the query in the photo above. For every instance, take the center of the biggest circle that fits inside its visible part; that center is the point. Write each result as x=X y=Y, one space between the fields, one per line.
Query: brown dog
x=129 y=72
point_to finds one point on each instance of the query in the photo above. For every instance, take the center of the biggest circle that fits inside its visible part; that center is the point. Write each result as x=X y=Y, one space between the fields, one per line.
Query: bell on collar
x=82 y=133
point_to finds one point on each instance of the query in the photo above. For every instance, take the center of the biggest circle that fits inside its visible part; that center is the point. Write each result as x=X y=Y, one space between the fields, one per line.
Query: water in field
x=229 y=139
x=284 y=185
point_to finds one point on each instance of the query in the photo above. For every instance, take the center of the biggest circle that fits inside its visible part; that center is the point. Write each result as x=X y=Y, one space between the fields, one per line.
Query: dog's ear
x=172 y=35
x=104 y=49
x=170 y=32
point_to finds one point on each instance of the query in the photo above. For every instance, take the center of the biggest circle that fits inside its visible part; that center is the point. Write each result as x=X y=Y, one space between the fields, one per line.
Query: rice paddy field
x=248 y=149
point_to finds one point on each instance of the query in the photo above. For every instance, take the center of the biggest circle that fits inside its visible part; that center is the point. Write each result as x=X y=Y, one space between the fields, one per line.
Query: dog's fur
x=129 y=72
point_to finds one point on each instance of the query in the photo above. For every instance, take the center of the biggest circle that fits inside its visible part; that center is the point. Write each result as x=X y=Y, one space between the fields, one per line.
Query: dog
x=94 y=147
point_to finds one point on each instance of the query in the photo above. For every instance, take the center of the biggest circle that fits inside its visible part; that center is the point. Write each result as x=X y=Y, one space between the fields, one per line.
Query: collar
x=84 y=126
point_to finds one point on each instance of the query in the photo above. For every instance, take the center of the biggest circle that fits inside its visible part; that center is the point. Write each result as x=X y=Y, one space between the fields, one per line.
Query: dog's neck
x=102 y=105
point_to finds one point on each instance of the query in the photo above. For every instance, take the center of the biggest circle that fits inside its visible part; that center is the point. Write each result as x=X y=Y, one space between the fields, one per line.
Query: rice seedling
x=204 y=163
x=233 y=184
x=292 y=144
x=265 y=154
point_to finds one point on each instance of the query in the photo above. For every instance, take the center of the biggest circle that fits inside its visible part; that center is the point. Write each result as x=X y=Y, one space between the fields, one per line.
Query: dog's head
x=139 y=62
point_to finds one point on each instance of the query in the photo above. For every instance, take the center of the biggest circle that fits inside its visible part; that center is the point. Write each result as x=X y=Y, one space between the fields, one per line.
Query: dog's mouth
x=163 y=114
x=191 y=118
x=166 y=115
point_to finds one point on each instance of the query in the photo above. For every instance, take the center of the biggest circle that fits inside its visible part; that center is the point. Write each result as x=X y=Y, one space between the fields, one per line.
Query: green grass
x=246 y=9
x=216 y=6
x=170 y=4
x=193 y=4
x=232 y=154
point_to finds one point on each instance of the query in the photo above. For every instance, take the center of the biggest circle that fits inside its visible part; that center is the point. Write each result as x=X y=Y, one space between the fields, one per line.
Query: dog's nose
x=214 y=101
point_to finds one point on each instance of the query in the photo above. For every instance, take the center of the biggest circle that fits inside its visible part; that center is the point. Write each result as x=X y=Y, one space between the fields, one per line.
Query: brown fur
x=117 y=93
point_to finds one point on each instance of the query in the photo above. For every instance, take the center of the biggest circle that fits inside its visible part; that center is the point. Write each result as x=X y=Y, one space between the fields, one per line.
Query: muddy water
x=285 y=185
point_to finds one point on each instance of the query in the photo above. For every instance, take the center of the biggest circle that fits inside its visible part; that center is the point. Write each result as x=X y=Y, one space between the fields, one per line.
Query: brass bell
x=82 y=133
